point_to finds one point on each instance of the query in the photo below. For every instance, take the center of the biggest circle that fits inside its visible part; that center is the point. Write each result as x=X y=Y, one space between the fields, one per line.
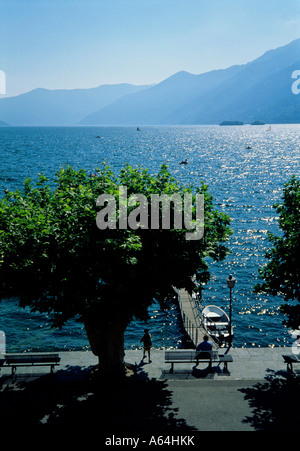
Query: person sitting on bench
x=205 y=345
x=204 y=349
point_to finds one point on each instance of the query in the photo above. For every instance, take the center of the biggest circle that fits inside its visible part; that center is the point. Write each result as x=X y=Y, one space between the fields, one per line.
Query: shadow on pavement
x=195 y=373
x=275 y=403
x=70 y=399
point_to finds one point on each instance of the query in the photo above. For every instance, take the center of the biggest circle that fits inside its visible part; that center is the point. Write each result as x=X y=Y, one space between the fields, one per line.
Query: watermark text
x=2 y=82
x=165 y=212
x=2 y=342
x=296 y=84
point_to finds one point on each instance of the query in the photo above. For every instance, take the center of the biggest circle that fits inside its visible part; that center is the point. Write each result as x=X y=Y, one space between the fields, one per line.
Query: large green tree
x=55 y=259
x=281 y=275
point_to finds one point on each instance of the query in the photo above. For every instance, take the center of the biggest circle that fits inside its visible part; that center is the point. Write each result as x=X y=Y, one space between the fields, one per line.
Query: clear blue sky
x=84 y=43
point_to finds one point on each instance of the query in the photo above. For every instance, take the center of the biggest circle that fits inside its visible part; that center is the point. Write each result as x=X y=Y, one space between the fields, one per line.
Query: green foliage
x=55 y=259
x=282 y=273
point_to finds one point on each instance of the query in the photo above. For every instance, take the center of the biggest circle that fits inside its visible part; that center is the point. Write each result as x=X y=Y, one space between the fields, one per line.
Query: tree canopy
x=281 y=275
x=55 y=259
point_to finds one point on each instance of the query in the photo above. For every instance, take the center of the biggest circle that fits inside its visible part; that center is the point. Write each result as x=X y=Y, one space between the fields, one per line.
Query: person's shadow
x=202 y=373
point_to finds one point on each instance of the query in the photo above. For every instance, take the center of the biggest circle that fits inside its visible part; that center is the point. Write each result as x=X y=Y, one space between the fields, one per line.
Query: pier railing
x=191 y=329
x=190 y=314
x=191 y=322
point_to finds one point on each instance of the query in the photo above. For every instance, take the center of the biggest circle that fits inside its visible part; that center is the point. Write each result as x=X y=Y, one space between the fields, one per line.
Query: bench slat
x=190 y=356
x=23 y=359
x=226 y=358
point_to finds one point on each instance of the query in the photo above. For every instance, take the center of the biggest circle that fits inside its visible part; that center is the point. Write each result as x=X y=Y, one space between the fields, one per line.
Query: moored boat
x=217 y=323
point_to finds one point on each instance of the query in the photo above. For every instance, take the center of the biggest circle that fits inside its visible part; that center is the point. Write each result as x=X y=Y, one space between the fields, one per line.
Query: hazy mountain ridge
x=259 y=90
x=62 y=106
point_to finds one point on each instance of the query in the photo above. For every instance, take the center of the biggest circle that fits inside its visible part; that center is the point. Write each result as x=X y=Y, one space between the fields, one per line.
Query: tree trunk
x=107 y=342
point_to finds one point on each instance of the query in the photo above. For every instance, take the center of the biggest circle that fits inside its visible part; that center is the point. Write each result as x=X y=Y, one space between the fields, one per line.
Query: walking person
x=146 y=339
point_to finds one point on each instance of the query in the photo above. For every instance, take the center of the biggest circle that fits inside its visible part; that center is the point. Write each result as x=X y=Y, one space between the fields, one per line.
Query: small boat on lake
x=184 y=162
x=217 y=323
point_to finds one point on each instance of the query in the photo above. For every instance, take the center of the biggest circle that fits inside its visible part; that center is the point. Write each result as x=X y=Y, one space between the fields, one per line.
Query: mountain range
x=61 y=106
x=260 y=90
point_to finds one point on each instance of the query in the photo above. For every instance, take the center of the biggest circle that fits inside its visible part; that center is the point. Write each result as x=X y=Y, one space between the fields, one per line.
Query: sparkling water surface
x=245 y=183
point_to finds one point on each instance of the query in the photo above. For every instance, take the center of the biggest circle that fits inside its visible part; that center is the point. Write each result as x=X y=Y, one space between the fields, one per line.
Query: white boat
x=217 y=323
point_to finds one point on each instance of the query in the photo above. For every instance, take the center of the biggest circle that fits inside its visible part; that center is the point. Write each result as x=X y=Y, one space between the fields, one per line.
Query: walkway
x=248 y=364
x=157 y=402
x=191 y=320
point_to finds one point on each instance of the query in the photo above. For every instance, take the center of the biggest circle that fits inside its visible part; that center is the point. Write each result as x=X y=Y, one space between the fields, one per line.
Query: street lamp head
x=231 y=281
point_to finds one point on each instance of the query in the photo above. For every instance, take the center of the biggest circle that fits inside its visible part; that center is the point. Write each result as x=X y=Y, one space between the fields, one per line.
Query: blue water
x=245 y=184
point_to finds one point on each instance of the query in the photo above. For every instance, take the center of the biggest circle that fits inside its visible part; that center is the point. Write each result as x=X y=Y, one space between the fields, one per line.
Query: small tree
x=281 y=275
x=55 y=259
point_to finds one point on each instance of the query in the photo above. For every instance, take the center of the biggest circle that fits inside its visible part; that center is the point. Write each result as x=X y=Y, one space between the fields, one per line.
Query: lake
x=245 y=183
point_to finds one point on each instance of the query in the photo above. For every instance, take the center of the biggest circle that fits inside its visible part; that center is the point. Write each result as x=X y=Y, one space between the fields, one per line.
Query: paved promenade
x=255 y=394
x=248 y=364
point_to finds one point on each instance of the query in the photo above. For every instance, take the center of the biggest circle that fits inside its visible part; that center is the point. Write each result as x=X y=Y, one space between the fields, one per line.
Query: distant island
x=232 y=123
x=258 y=123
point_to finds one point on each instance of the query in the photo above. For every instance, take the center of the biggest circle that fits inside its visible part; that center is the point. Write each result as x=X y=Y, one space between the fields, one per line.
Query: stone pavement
x=230 y=401
x=248 y=364
x=256 y=394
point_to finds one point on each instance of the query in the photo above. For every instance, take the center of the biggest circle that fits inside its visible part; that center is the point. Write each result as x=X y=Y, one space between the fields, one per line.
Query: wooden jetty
x=191 y=319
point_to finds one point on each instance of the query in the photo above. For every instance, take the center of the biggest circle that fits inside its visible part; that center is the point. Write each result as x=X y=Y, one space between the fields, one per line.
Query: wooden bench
x=192 y=356
x=30 y=359
x=290 y=360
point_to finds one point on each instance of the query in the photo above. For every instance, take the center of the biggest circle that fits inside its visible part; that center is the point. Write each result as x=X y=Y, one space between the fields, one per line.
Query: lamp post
x=231 y=283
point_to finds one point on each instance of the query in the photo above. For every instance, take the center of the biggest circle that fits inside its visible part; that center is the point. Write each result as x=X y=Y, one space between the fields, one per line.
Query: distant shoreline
x=146 y=126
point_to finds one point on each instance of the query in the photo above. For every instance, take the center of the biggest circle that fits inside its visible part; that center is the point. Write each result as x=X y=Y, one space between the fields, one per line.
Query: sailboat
x=269 y=129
